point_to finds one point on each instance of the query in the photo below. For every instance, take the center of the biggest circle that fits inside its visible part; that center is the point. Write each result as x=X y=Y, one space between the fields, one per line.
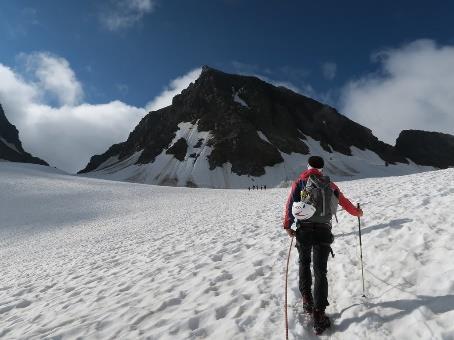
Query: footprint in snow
x=257 y=263
x=193 y=323
x=225 y=276
x=221 y=312
x=23 y=304
x=258 y=272
x=240 y=311
x=125 y=289
x=216 y=257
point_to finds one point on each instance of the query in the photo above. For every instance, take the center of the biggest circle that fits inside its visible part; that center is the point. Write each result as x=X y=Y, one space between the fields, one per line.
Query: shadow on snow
x=393 y=224
x=436 y=304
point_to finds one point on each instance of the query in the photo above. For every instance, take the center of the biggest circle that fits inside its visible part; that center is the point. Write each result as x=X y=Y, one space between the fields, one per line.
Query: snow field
x=88 y=258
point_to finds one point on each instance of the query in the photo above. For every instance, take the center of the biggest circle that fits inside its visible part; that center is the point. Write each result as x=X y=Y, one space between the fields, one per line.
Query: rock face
x=10 y=145
x=427 y=148
x=252 y=125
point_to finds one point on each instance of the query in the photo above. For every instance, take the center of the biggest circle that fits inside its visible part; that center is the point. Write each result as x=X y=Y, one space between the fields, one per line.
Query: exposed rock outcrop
x=10 y=144
x=427 y=148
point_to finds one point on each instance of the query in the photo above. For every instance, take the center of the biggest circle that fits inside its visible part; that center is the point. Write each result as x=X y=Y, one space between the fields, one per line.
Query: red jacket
x=294 y=196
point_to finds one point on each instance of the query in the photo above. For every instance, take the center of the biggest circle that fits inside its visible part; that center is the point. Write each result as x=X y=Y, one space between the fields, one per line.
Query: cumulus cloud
x=329 y=70
x=15 y=92
x=54 y=75
x=68 y=134
x=412 y=90
x=175 y=87
x=123 y=14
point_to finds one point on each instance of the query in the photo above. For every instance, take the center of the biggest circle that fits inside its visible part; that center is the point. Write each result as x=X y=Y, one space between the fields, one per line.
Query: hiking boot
x=308 y=303
x=321 y=321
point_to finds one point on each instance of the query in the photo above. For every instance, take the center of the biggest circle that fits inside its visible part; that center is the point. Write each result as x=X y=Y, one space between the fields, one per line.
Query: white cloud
x=123 y=14
x=329 y=70
x=413 y=90
x=66 y=134
x=175 y=87
x=15 y=92
x=54 y=76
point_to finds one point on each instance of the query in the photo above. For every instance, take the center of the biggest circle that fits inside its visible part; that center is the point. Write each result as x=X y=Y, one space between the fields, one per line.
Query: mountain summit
x=229 y=130
x=10 y=145
x=427 y=148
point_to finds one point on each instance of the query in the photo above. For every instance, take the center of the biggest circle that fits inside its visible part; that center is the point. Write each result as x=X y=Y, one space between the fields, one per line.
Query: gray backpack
x=318 y=193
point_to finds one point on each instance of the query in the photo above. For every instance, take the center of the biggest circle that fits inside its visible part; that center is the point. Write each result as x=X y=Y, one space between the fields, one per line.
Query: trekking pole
x=286 y=276
x=361 y=251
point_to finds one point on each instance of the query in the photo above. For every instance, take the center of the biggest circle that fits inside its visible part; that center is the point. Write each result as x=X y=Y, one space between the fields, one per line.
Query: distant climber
x=313 y=201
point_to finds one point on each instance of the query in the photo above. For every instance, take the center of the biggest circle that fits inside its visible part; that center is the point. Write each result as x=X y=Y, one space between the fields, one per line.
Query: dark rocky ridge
x=427 y=148
x=282 y=115
x=9 y=133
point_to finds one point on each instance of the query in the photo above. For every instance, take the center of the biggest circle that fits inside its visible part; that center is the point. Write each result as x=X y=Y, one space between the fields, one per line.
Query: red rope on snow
x=286 y=277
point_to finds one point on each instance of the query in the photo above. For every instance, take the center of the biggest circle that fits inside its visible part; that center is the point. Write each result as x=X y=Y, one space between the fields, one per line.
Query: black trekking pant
x=314 y=239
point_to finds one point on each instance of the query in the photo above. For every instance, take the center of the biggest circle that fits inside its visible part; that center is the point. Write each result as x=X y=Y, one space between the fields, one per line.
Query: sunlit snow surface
x=95 y=259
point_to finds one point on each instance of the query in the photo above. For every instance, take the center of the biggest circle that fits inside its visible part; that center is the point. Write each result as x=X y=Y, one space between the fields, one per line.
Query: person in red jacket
x=314 y=235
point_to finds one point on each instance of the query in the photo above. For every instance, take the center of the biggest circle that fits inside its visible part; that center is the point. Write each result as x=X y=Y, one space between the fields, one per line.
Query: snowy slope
x=88 y=258
x=194 y=170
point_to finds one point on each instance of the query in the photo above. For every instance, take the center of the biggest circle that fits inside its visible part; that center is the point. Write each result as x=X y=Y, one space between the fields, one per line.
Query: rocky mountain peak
x=248 y=125
x=427 y=148
x=10 y=144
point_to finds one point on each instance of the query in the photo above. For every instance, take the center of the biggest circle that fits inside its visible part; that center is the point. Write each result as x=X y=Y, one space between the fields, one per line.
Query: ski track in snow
x=88 y=258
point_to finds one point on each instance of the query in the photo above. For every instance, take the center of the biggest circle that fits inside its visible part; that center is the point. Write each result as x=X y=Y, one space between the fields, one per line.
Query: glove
x=290 y=232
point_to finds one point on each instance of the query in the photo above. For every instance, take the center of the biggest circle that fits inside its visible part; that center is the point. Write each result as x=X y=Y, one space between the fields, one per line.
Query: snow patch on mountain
x=361 y=164
x=340 y=167
x=10 y=145
x=194 y=170
x=238 y=99
x=166 y=169
x=263 y=137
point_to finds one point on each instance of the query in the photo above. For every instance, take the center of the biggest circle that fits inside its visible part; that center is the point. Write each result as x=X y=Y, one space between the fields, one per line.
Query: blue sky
x=288 y=40
x=129 y=52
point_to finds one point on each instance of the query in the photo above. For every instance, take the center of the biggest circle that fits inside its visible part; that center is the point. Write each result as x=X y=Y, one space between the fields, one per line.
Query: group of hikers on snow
x=313 y=201
x=256 y=187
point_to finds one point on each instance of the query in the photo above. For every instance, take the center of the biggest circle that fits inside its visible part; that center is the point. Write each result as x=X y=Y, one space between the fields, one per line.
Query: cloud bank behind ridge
x=413 y=89
x=45 y=102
